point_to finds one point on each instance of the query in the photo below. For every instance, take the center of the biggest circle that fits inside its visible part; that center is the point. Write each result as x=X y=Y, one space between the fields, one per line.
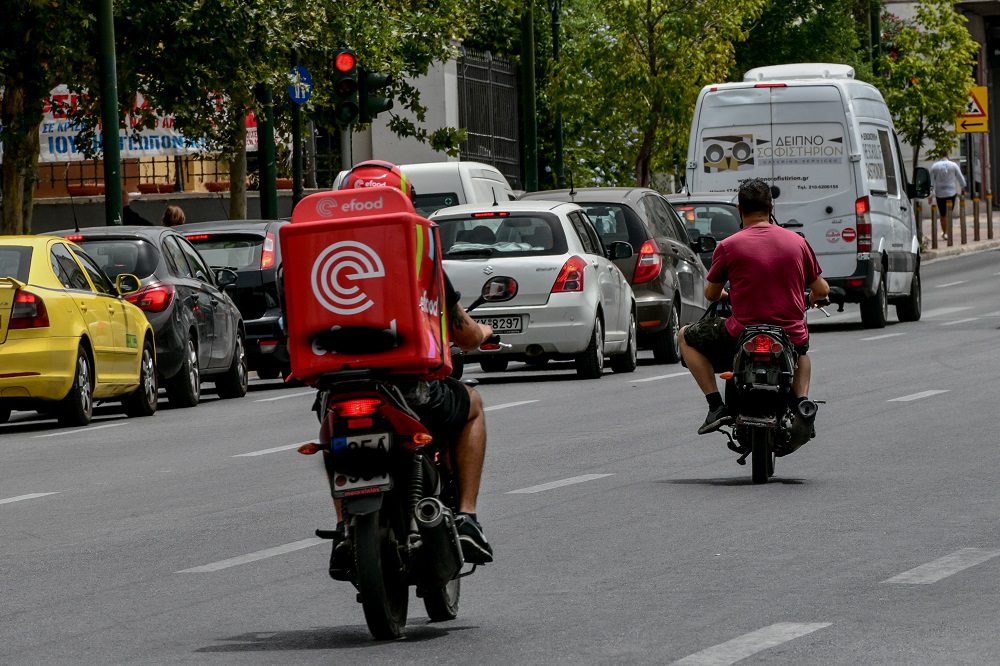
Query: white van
x=826 y=144
x=443 y=184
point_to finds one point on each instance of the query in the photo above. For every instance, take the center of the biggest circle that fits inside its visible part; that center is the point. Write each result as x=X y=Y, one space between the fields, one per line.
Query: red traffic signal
x=345 y=61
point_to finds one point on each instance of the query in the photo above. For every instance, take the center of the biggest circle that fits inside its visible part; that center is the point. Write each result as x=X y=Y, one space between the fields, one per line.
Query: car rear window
x=229 y=250
x=428 y=203
x=717 y=220
x=117 y=256
x=497 y=235
x=614 y=222
x=15 y=262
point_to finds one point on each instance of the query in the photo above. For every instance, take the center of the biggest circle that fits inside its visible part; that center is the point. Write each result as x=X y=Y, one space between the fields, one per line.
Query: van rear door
x=809 y=156
x=733 y=124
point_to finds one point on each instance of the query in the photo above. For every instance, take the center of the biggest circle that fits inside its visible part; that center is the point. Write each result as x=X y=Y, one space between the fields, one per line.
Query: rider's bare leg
x=699 y=365
x=803 y=374
x=470 y=451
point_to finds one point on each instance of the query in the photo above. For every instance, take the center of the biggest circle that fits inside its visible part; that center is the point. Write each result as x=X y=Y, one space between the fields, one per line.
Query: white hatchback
x=571 y=300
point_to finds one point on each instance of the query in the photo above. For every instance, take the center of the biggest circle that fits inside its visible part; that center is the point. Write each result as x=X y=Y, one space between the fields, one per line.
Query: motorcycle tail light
x=762 y=344
x=358 y=407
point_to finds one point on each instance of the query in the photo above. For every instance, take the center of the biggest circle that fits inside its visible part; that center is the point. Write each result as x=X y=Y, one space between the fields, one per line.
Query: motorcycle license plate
x=348 y=486
x=504 y=325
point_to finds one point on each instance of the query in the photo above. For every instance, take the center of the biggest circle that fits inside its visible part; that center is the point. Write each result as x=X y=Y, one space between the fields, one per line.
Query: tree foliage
x=629 y=78
x=928 y=73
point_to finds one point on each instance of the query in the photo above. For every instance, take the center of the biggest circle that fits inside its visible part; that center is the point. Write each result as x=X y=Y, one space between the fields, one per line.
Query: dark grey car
x=666 y=274
x=714 y=215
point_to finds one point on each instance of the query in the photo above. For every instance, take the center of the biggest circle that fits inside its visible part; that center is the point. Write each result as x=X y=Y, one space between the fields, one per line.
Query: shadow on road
x=731 y=481
x=327 y=638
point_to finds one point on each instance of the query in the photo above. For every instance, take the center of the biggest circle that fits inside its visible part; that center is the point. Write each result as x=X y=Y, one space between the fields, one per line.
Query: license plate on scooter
x=351 y=486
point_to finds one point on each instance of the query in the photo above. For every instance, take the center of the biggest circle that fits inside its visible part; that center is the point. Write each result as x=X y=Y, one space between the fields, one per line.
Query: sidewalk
x=929 y=252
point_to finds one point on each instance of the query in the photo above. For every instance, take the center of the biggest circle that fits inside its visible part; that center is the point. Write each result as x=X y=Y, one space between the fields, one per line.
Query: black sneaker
x=341 y=557
x=475 y=548
x=716 y=418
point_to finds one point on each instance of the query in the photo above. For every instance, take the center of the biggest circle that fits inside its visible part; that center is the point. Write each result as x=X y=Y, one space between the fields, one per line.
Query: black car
x=666 y=275
x=714 y=215
x=198 y=329
x=251 y=249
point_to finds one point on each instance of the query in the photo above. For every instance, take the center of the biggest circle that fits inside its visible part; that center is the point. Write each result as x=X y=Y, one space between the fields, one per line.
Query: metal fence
x=487 y=103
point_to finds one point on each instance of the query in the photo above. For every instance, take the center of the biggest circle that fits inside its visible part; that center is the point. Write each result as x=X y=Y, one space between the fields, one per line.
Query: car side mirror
x=126 y=283
x=226 y=277
x=704 y=244
x=921 y=186
x=620 y=250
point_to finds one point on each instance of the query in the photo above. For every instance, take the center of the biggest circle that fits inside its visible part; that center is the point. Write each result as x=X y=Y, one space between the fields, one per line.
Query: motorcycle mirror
x=499 y=289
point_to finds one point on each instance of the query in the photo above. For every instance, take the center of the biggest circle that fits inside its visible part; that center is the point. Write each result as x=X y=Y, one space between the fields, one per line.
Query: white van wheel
x=909 y=309
x=875 y=310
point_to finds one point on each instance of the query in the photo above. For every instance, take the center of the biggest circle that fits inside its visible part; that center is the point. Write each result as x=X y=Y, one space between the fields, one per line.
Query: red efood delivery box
x=363 y=286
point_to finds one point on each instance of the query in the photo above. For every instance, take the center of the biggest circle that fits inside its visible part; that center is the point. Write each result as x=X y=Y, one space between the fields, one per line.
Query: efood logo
x=326 y=207
x=357 y=205
x=336 y=272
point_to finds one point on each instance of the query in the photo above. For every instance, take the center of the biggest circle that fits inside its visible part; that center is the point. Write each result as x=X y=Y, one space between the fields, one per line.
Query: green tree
x=927 y=65
x=629 y=77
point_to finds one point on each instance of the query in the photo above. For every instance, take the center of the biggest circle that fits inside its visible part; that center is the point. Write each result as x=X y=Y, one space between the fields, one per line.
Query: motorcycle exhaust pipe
x=801 y=430
x=440 y=552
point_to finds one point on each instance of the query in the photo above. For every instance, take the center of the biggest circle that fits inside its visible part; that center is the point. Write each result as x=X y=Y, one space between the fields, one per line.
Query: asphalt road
x=876 y=543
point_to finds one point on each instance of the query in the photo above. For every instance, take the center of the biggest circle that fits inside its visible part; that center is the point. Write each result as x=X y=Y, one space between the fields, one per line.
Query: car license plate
x=503 y=325
x=345 y=485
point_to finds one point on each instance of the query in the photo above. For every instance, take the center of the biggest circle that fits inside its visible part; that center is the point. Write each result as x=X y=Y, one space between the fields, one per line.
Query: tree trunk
x=643 y=161
x=17 y=176
x=238 y=169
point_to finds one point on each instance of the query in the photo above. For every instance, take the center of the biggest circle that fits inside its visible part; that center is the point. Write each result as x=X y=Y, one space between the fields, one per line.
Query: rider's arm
x=818 y=290
x=714 y=291
x=465 y=332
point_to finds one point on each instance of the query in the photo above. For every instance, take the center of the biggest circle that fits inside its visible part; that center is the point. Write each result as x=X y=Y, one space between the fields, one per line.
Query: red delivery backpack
x=364 y=287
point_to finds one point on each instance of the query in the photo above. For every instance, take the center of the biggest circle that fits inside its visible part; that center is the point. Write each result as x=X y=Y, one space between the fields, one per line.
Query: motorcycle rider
x=447 y=407
x=768 y=268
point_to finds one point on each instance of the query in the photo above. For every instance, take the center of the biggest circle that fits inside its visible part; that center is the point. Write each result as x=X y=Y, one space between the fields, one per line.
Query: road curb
x=954 y=251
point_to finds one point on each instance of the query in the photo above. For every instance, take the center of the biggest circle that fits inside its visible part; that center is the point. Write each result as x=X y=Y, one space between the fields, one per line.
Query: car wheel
x=627 y=361
x=268 y=371
x=77 y=408
x=457 y=368
x=233 y=384
x=4 y=414
x=666 y=343
x=875 y=310
x=184 y=388
x=537 y=361
x=590 y=363
x=493 y=364
x=910 y=308
x=143 y=401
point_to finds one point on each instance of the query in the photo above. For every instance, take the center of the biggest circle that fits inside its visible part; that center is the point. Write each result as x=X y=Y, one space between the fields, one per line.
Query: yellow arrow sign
x=974 y=117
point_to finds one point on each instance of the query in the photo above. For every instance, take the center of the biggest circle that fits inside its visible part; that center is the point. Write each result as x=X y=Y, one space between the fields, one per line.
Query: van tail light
x=28 y=311
x=863 y=224
x=762 y=347
x=267 y=255
x=570 y=277
x=358 y=408
x=647 y=266
x=154 y=298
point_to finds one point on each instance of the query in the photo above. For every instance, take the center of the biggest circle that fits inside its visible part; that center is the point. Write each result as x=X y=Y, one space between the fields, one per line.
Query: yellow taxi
x=67 y=335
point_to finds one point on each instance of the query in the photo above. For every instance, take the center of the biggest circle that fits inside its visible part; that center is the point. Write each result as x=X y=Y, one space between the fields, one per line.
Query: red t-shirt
x=768 y=268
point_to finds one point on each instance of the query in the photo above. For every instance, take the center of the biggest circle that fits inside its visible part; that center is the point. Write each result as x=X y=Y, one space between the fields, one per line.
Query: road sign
x=974 y=117
x=300 y=84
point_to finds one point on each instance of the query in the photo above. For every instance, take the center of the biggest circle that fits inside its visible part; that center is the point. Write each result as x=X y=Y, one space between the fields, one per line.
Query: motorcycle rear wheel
x=384 y=594
x=441 y=601
x=762 y=455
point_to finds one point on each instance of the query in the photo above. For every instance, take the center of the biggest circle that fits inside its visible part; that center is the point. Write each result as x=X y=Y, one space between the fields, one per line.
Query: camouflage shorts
x=710 y=337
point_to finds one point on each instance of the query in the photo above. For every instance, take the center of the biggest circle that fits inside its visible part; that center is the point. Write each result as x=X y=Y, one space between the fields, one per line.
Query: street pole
x=266 y=168
x=346 y=160
x=109 y=114
x=297 y=192
x=876 y=34
x=560 y=166
x=528 y=100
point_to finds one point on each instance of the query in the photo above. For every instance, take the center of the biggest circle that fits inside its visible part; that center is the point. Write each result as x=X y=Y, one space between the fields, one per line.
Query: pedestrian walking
x=129 y=216
x=173 y=216
x=947 y=181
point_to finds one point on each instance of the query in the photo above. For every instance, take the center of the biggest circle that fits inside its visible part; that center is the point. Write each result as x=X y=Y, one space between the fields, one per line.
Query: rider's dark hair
x=755 y=196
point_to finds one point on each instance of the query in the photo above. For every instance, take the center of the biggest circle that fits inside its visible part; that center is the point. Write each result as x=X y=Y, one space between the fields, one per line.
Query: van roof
x=474 y=169
x=798 y=71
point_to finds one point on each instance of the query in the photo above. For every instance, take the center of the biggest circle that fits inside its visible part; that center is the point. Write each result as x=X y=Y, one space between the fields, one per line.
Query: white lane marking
x=557 y=484
x=918 y=396
x=939 y=312
x=882 y=337
x=750 y=644
x=253 y=557
x=264 y=452
x=505 y=405
x=951 y=284
x=945 y=566
x=960 y=321
x=21 y=498
x=659 y=377
x=60 y=433
x=285 y=397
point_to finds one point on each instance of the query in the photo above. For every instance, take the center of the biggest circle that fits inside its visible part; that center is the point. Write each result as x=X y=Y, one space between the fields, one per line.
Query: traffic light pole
x=297 y=191
x=560 y=165
x=266 y=168
x=346 y=159
x=528 y=100
x=109 y=114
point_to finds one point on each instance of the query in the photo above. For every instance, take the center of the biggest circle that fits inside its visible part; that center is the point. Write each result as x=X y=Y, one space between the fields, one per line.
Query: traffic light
x=345 y=86
x=372 y=105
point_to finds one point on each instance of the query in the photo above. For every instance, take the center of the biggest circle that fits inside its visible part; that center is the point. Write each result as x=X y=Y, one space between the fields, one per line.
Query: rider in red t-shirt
x=769 y=269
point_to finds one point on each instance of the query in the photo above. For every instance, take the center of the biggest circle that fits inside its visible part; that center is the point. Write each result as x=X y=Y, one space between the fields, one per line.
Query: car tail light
x=154 y=298
x=28 y=311
x=75 y=239
x=762 y=346
x=492 y=214
x=357 y=408
x=647 y=266
x=863 y=224
x=197 y=237
x=770 y=85
x=267 y=255
x=570 y=277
